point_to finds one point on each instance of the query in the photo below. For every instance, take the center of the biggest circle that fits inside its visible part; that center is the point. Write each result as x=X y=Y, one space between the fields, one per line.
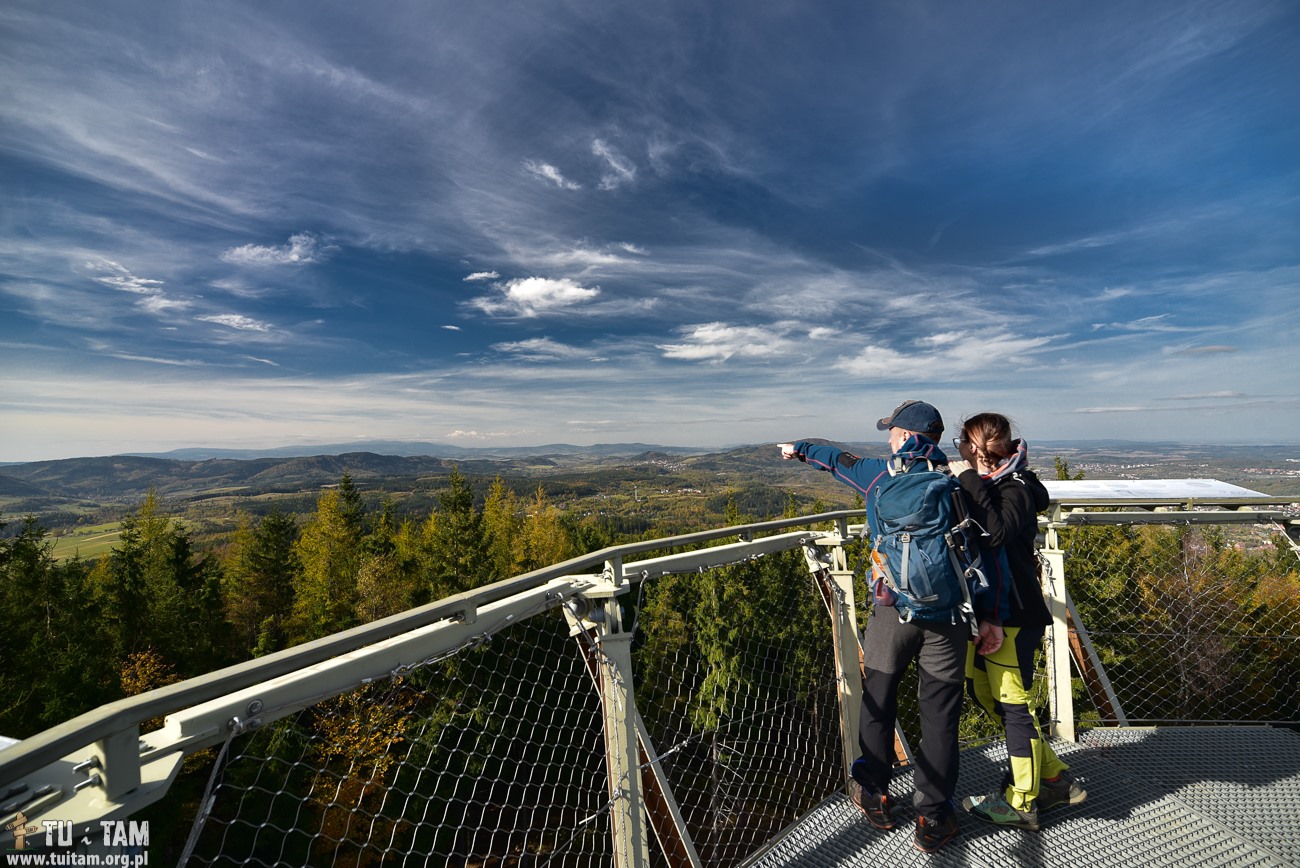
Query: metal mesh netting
x=1191 y=624
x=496 y=755
x=736 y=683
x=492 y=756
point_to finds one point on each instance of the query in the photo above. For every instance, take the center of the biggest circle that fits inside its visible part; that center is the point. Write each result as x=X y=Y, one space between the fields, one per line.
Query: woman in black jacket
x=1005 y=498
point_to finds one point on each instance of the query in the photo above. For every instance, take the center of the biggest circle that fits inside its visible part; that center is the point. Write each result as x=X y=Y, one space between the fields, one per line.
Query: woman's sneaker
x=874 y=806
x=1065 y=790
x=994 y=808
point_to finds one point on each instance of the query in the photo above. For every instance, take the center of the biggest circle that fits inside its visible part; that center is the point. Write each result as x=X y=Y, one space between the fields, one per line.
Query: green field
x=87 y=542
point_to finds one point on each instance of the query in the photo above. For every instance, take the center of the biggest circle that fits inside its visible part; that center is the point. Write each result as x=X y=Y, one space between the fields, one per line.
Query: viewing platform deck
x=1167 y=796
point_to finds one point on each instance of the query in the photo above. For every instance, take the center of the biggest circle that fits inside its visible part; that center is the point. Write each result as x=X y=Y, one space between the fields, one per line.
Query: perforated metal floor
x=1172 y=796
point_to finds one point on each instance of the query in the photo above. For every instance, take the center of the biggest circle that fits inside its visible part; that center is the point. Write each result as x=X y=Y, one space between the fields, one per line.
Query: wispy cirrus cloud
x=718 y=342
x=945 y=356
x=619 y=169
x=1146 y=324
x=540 y=350
x=550 y=174
x=1209 y=350
x=151 y=296
x=480 y=275
x=236 y=321
x=119 y=277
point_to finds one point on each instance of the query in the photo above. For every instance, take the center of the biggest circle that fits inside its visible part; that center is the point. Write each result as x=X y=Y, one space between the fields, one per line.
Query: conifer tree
x=261 y=572
x=502 y=531
x=458 y=551
x=158 y=594
x=53 y=644
x=329 y=547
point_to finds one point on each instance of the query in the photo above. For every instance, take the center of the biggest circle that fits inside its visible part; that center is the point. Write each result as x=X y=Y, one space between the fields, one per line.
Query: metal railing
x=680 y=709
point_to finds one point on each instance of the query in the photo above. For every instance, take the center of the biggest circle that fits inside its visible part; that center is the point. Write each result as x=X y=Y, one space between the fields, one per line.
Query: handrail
x=31 y=754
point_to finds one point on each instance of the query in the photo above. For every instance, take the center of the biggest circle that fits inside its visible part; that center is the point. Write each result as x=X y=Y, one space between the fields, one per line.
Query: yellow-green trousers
x=999 y=683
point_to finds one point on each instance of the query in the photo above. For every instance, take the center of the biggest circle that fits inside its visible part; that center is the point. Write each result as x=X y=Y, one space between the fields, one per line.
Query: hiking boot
x=994 y=808
x=933 y=834
x=1065 y=790
x=874 y=806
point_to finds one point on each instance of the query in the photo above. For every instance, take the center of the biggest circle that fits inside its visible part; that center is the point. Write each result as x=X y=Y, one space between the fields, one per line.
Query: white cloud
x=1211 y=350
x=237 y=321
x=621 y=169
x=458 y=434
x=1207 y=396
x=946 y=355
x=634 y=249
x=303 y=249
x=717 y=342
x=452 y=328
x=539 y=350
x=159 y=304
x=155 y=360
x=575 y=256
x=1143 y=324
x=120 y=278
x=547 y=172
x=532 y=296
x=239 y=288
x=481 y=275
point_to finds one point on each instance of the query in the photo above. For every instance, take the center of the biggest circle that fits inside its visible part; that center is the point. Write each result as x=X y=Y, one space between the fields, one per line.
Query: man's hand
x=787 y=451
x=958 y=467
x=990 y=638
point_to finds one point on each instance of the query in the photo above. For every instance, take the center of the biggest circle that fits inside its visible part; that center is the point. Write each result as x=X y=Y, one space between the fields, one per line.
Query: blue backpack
x=927 y=560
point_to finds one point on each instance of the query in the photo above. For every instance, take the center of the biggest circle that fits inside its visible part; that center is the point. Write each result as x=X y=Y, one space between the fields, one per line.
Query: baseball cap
x=914 y=416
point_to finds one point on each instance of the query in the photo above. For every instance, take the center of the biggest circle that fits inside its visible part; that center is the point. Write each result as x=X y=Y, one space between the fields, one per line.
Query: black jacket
x=1007 y=508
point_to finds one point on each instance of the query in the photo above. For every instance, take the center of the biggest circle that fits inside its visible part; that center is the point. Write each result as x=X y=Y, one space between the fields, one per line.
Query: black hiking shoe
x=933 y=834
x=874 y=806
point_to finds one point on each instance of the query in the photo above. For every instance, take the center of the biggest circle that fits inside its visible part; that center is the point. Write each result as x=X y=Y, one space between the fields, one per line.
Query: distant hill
x=415 y=449
x=83 y=484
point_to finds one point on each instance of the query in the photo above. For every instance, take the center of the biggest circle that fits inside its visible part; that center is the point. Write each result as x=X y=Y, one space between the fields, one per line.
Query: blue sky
x=513 y=223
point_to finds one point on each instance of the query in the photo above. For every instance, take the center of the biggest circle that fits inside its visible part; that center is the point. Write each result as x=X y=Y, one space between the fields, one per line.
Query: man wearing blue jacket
x=889 y=644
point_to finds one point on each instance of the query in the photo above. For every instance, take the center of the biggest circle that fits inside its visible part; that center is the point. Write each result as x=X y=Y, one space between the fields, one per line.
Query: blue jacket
x=992 y=604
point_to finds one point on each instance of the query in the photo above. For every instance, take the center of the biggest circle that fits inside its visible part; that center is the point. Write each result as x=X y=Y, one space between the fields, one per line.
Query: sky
x=260 y=224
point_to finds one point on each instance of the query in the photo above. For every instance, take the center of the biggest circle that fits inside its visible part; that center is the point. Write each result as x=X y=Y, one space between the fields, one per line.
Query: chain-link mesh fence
x=1191 y=623
x=736 y=683
x=492 y=756
x=495 y=755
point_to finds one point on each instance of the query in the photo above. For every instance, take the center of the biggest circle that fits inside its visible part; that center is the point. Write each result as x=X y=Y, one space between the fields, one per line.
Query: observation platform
x=1167 y=796
x=698 y=708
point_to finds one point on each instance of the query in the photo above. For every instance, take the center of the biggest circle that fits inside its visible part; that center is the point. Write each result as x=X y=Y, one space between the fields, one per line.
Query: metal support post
x=1058 y=640
x=835 y=581
x=627 y=804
